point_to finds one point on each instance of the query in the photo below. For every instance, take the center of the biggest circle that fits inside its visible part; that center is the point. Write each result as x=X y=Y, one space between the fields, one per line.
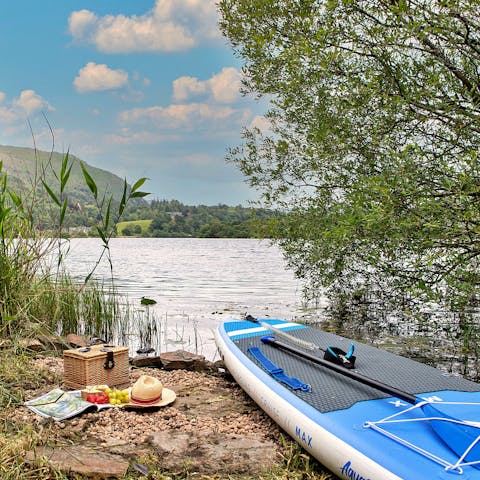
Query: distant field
x=132 y=227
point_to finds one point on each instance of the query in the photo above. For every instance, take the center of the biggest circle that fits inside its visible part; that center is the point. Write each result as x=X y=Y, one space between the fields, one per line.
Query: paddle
x=460 y=436
x=412 y=399
x=332 y=354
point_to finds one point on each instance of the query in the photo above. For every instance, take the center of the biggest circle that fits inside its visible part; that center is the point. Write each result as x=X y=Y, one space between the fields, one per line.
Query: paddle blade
x=462 y=438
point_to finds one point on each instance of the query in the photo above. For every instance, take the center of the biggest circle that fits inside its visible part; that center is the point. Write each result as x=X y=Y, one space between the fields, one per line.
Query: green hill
x=24 y=167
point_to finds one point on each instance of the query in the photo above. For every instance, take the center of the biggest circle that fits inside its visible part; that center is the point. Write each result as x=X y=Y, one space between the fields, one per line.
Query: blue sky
x=138 y=87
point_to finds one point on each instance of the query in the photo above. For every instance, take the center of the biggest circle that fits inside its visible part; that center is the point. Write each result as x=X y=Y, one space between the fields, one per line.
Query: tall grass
x=65 y=306
x=34 y=292
x=32 y=289
x=37 y=296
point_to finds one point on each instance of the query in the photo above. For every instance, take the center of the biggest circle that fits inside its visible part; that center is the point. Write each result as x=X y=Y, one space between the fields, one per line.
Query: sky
x=142 y=88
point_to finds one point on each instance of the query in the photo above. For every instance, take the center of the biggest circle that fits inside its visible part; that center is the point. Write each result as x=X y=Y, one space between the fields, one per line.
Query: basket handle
x=109 y=362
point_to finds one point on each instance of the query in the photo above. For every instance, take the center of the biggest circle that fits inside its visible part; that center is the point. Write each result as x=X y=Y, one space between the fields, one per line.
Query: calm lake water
x=196 y=283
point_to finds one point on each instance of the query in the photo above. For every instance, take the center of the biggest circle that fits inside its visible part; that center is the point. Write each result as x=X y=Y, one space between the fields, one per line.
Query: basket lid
x=94 y=351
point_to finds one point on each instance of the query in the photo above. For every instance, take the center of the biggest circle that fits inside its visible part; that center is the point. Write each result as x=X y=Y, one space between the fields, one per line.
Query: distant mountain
x=24 y=167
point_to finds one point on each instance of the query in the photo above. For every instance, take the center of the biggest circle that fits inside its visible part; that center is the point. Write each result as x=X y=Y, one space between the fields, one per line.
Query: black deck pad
x=332 y=391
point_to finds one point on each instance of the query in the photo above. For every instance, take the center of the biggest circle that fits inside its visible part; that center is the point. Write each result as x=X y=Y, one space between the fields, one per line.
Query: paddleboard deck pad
x=355 y=430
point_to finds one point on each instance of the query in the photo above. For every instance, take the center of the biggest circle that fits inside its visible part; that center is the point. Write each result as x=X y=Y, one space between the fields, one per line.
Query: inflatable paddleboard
x=352 y=427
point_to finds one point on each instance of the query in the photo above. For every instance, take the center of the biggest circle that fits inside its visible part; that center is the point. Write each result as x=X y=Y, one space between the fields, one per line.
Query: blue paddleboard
x=356 y=430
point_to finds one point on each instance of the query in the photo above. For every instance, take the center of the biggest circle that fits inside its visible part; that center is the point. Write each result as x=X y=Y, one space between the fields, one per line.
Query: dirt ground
x=212 y=427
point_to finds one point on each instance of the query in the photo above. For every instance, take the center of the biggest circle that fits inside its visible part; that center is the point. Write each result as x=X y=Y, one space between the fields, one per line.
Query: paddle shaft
x=407 y=397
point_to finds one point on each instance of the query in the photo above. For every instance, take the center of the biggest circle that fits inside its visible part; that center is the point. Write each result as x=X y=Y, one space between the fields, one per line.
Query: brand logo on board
x=303 y=437
x=350 y=473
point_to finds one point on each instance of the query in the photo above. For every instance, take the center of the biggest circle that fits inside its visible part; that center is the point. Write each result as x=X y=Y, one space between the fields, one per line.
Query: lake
x=196 y=283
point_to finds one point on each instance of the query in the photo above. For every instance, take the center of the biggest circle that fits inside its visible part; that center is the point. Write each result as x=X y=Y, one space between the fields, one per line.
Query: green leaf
x=4 y=213
x=107 y=215
x=138 y=184
x=15 y=198
x=52 y=195
x=89 y=181
x=65 y=173
x=139 y=194
x=64 y=165
x=102 y=235
x=62 y=212
x=123 y=201
x=67 y=176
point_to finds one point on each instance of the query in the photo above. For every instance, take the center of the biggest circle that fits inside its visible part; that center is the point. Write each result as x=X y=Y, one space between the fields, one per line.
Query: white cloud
x=261 y=122
x=177 y=115
x=187 y=87
x=28 y=103
x=223 y=87
x=172 y=25
x=99 y=77
x=8 y=115
x=131 y=137
x=81 y=23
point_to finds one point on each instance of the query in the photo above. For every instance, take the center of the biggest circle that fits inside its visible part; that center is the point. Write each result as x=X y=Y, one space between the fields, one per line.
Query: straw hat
x=148 y=391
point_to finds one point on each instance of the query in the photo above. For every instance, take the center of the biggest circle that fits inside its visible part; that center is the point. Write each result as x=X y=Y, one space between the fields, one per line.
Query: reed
x=149 y=334
x=33 y=284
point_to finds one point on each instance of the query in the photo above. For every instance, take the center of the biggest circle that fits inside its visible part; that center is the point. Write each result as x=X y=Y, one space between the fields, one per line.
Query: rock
x=114 y=442
x=180 y=359
x=217 y=453
x=76 y=340
x=144 y=361
x=52 y=342
x=81 y=460
x=96 y=341
x=145 y=350
x=31 y=344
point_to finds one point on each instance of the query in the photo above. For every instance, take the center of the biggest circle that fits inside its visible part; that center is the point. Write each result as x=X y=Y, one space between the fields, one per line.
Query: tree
x=373 y=147
x=127 y=231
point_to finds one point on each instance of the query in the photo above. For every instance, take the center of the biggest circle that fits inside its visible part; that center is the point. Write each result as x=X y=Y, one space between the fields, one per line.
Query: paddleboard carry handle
x=278 y=372
x=340 y=357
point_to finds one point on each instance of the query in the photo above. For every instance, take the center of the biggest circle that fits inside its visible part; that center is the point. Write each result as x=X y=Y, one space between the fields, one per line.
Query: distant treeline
x=171 y=218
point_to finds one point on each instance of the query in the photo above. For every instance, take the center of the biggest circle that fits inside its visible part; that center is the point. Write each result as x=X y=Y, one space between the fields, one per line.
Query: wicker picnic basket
x=96 y=365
